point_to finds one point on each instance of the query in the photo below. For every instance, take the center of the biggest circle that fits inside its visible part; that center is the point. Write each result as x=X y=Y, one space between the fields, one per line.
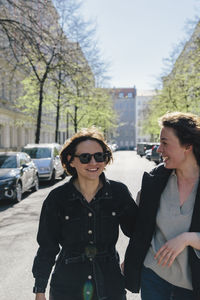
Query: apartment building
x=124 y=100
x=16 y=127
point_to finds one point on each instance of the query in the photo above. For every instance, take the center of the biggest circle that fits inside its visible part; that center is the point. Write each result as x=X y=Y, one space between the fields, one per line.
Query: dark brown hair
x=71 y=144
x=186 y=127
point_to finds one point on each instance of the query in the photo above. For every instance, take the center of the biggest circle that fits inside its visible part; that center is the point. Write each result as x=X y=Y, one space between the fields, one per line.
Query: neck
x=190 y=173
x=88 y=188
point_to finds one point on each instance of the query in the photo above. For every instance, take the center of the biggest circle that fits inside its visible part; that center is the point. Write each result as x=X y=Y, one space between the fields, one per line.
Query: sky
x=135 y=36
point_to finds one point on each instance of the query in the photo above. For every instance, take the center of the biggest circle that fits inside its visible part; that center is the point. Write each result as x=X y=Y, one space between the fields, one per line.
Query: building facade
x=142 y=99
x=18 y=128
x=124 y=100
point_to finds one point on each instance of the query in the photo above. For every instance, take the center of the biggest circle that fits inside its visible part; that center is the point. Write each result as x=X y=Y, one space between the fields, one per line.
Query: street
x=19 y=225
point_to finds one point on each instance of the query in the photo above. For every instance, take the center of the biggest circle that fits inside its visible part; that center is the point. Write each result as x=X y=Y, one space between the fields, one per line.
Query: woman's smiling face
x=172 y=151
x=93 y=169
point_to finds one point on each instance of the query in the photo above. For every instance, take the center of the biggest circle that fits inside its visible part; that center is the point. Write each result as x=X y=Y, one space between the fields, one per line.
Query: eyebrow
x=163 y=139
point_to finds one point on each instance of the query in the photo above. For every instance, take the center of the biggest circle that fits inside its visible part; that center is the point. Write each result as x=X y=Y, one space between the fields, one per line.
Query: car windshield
x=8 y=162
x=38 y=152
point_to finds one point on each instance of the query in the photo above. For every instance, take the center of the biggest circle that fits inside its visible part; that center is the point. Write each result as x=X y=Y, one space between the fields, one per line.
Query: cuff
x=37 y=289
x=40 y=285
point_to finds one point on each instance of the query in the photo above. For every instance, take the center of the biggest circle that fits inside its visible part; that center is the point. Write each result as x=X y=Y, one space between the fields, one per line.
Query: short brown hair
x=71 y=144
x=186 y=127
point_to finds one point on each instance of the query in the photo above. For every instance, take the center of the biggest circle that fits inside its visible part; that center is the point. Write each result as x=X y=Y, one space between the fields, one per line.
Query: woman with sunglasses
x=80 y=222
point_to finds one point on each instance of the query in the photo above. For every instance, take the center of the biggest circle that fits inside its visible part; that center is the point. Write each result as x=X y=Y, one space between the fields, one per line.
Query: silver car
x=46 y=158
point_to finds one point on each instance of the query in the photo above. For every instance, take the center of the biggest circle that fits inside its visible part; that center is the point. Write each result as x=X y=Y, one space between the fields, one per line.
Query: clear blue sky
x=136 y=35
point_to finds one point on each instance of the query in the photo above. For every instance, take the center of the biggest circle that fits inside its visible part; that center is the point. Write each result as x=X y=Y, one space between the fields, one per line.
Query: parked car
x=46 y=158
x=155 y=156
x=18 y=174
x=148 y=154
x=142 y=147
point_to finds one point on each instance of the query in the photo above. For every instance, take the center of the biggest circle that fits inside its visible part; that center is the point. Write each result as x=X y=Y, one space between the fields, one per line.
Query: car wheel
x=53 y=177
x=36 y=184
x=18 y=193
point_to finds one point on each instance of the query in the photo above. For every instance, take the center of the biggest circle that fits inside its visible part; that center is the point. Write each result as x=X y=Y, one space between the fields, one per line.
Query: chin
x=167 y=165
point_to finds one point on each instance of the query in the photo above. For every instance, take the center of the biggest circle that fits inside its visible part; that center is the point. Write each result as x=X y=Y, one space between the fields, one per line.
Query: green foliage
x=28 y=103
x=99 y=111
x=181 y=88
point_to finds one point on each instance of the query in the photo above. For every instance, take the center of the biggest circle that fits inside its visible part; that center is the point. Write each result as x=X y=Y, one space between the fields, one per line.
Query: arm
x=48 y=239
x=128 y=213
x=170 y=250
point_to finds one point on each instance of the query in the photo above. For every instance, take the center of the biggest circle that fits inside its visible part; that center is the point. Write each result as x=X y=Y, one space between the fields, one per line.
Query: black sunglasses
x=85 y=158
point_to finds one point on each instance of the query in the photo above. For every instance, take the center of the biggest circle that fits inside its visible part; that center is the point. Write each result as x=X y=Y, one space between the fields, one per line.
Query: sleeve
x=128 y=213
x=48 y=239
x=197 y=252
x=138 y=198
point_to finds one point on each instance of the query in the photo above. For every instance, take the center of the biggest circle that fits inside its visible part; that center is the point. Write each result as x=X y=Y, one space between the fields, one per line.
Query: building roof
x=125 y=91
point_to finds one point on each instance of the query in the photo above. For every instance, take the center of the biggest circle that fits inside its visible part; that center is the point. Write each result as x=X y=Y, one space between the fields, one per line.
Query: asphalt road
x=19 y=223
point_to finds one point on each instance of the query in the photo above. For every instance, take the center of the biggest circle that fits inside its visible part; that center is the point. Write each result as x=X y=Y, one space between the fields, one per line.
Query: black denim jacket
x=153 y=184
x=83 y=234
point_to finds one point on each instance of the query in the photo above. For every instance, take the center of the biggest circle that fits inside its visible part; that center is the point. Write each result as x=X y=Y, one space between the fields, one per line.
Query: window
x=130 y=95
x=121 y=95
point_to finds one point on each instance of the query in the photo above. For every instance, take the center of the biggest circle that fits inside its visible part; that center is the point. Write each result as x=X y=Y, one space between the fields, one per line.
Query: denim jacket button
x=89 y=277
x=66 y=217
x=89 y=231
x=113 y=213
x=90 y=214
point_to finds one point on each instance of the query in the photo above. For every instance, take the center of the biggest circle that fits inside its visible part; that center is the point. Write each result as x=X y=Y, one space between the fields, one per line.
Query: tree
x=31 y=42
x=181 y=87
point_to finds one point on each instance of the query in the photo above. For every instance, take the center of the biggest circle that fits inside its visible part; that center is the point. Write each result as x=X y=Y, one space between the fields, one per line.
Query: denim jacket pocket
x=72 y=229
x=109 y=226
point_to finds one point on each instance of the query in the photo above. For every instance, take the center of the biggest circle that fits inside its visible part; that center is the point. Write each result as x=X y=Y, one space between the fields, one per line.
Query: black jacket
x=86 y=233
x=153 y=185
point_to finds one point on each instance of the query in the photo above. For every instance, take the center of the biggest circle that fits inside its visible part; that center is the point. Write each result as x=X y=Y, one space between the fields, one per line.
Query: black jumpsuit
x=84 y=234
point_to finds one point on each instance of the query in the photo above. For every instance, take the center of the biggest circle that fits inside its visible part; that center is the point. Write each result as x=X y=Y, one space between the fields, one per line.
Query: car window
x=27 y=157
x=24 y=159
x=38 y=152
x=8 y=162
x=55 y=152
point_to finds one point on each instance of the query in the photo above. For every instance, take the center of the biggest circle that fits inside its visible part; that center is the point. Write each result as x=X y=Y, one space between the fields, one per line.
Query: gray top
x=171 y=221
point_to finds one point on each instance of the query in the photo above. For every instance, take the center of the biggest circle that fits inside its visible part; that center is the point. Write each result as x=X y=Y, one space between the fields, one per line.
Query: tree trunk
x=75 y=119
x=39 y=116
x=57 y=117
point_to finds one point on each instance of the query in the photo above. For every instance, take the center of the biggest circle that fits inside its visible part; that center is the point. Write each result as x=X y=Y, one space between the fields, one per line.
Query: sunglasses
x=85 y=158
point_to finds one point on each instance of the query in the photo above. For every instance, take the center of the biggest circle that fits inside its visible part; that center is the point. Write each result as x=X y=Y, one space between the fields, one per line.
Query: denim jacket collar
x=104 y=192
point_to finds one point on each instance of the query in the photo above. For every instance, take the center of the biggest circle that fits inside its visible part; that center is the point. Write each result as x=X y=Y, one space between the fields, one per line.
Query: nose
x=159 y=149
x=92 y=161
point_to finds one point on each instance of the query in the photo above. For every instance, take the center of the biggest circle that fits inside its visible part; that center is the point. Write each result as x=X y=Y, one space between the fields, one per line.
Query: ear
x=188 y=147
x=68 y=159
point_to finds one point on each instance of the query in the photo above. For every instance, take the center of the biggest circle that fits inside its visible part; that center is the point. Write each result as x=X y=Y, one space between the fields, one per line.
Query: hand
x=122 y=267
x=40 y=296
x=171 y=249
